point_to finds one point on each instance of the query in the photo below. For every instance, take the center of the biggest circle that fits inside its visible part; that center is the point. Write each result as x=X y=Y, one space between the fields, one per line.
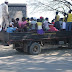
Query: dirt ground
x=54 y=60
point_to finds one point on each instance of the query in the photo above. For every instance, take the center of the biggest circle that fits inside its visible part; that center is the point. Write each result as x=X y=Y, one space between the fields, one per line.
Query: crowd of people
x=40 y=25
x=30 y=24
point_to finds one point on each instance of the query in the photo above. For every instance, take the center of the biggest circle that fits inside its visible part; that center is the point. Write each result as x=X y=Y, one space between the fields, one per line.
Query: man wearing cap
x=10 y=29
x=5 y=15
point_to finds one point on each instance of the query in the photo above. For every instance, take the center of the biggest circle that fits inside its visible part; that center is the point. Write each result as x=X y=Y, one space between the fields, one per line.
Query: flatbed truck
x=33 y=43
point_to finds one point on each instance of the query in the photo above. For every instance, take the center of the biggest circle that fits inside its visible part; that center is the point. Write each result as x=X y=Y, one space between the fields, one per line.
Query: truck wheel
x=19 y=50
x=34 y=49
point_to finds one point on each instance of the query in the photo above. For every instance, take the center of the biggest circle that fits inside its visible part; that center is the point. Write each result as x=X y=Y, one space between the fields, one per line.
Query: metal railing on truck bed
x=34 y=35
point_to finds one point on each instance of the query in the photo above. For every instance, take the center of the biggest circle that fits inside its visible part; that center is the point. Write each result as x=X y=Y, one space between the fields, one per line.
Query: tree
x=61 y=6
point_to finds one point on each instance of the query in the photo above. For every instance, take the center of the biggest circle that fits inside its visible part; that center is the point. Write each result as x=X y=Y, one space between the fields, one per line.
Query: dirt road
x=54 y=60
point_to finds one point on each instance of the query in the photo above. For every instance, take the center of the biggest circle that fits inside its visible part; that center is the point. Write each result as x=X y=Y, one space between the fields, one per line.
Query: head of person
x=17 y=19
x=6 y=2
x=35 y=19
x=52 y=21
x=70 y=11
x=10 y=25
x=23 y=19
x=32 y=18
x=64 y=14
x=46 y=19
x=41 y=18
x=38 y=20
x=27 y=19
x=57 y=13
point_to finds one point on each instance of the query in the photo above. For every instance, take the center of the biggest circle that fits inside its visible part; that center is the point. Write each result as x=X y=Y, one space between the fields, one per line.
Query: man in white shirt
x=5 y=15
x=0 y=16
x=46 y=24
x=33 y=24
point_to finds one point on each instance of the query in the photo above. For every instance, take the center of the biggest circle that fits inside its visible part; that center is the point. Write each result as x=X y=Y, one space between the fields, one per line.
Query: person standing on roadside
x=5 y=15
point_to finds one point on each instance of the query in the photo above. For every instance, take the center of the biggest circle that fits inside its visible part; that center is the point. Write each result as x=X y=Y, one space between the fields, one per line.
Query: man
x=69 y=21
x=0 y=16
x=10 y=29
x=33 y=24
x=64 y=22
x=57 y=17
x=5 y=15
x=46 y=24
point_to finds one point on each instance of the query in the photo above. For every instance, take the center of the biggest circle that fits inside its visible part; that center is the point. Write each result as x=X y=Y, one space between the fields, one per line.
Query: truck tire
x=19 y=50
x=34 y=49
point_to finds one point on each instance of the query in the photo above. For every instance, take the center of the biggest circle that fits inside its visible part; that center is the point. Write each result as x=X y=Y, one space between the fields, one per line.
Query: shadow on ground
x=50 y=60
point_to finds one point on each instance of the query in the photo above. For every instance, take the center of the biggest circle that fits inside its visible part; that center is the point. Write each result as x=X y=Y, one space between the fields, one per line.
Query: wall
x=17 y=10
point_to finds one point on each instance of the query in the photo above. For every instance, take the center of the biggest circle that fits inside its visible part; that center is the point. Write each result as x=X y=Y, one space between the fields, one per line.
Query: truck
x=32 y=43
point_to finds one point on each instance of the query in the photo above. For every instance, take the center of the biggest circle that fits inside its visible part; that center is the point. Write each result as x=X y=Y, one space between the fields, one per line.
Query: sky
x=50 y=15
x=13 y=1
x=18 y=1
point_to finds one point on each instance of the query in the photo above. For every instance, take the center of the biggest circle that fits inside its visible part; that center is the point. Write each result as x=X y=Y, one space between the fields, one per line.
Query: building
x=17 y=10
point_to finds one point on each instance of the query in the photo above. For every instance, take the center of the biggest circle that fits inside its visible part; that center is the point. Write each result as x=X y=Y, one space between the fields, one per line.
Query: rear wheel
x=34 y=49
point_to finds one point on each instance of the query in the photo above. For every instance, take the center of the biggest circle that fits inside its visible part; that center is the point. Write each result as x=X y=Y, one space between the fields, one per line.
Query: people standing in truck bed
x=64 y=22
x=61 y=22
x=39 y=27
x=69 y=21
x=16 y=23
x=46 y=24
x=24 y=24
x=12 y=22
x=33 y=24
x=28 y=24
x=57 y=25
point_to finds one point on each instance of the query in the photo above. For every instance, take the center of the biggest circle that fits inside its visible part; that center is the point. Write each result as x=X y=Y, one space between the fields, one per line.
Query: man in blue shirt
x=10 y=29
